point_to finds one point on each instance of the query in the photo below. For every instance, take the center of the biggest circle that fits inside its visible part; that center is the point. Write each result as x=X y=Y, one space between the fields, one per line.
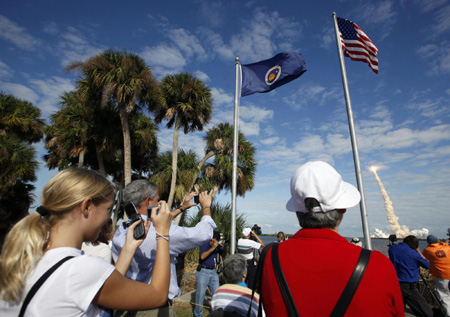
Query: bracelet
x=181 y=209
x=206 y=207
x=161 y=236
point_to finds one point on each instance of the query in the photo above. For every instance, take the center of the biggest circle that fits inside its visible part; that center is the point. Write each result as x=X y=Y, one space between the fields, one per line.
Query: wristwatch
x=181 y=209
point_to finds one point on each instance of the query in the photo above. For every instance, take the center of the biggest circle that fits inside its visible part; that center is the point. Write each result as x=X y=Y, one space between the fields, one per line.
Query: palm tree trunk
x=199 y=167
x=173 y=183
x=194 y=178
x=81 y=159
x=101 y=162
x=126 y=144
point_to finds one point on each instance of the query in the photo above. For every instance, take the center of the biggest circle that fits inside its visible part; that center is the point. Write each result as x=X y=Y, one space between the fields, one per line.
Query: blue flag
x=269 y=74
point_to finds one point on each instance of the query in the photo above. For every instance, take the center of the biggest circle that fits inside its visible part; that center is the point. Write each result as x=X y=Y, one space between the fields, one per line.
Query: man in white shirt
x=246 y=247
x=144 y=194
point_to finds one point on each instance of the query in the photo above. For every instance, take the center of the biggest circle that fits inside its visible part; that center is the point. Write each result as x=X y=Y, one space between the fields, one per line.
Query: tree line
x=110 y=123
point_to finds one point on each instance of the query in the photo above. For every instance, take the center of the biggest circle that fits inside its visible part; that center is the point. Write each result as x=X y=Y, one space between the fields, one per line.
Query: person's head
x=141 y=193
x=234 y=269
x=70 y=192
x=432 y=239
x=246 y=233
x=280 y=236
x=411 y=241
x=319 y=196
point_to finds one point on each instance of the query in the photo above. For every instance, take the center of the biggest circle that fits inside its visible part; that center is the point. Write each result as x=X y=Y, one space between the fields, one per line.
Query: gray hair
x=319 y=220
x=234 y=268
x=138 y=190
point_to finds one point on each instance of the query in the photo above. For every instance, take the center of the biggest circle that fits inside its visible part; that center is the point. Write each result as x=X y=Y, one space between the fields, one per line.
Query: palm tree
x=20 y=126
x=188 y=105
x=69 y=132
x=219 y=144
x=125 y=79
x=187 y=162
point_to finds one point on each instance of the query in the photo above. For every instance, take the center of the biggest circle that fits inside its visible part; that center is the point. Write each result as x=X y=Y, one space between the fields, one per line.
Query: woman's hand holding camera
x=131 y=243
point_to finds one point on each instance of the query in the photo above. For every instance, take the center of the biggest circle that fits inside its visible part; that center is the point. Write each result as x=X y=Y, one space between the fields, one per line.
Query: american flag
x=356 y=44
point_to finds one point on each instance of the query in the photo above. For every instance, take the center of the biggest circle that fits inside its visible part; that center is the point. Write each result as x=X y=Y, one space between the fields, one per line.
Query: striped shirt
x=246 y=247
x=182 y=239
x=232 y=297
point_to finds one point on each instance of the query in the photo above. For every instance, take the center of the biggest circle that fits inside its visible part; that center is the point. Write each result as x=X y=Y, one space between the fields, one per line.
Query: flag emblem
x=273 y=74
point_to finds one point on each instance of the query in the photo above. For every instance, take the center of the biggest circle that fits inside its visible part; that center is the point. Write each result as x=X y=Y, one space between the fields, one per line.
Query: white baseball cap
x=320 y=180
x=246 y=231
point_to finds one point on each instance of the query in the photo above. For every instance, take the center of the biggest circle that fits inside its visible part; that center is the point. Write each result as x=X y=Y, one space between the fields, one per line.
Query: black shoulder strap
x=258 y=277
x=352 y=285
x=39 y=283
x=284 y=288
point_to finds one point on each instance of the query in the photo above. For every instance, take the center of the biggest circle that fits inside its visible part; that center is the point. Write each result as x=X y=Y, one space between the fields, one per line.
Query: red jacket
x=317 y=264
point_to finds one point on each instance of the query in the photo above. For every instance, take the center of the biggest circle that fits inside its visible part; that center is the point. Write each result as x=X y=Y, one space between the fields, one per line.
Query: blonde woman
x=76 y=203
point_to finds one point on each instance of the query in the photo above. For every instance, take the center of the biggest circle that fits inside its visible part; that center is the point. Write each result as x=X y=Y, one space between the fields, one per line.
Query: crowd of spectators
x=66 y=259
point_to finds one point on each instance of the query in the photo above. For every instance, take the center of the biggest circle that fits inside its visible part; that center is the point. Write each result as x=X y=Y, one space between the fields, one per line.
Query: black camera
x=133 y=215
x=257 y=230
x=392 y=239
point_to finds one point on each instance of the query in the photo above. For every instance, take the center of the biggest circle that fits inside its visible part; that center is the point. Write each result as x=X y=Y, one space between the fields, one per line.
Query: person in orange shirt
x=438 y=254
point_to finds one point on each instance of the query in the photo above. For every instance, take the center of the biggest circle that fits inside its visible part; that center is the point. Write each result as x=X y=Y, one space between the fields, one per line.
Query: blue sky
x=401 y=115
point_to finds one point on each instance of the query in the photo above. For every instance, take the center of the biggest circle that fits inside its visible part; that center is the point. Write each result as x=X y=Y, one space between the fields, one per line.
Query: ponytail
x=24 y=245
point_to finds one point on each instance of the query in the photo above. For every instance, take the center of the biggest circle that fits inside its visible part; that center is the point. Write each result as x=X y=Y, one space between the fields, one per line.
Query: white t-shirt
x=101 y=250
x=245 y=247
x=69 y=291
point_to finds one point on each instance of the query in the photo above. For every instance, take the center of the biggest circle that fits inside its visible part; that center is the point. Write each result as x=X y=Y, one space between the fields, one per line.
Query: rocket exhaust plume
x=400 y=231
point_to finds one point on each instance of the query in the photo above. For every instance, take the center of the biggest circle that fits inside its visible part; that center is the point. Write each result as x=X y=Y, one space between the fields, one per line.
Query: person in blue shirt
x=406 y=258
x=206 y=275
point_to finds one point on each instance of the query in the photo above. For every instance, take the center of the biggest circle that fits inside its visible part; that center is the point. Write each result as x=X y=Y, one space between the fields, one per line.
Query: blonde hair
x=26 y=242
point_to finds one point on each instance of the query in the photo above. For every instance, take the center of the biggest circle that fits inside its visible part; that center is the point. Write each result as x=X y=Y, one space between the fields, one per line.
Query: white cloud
x=202 y=76
x=254 y=113
x=328 y=38
x=306 y=94
x=74 y=46
x=221 y=97
x=20 y=91
x=211 y=12
x=256 y=40
x=442 y=18
x=381 y=13
x=216 y=44
x=50 y=90
x=438 y=56
x=429 y=108
x=18 y=35
x=5 y=71
x=163 y=58
x=187 y=43
x=270 y=141
x=428 y=5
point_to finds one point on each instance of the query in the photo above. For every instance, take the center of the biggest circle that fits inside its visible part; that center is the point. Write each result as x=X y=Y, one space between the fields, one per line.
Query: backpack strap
x=352 y=285
x=258 y=278
x=284 y=288
x=39 y=283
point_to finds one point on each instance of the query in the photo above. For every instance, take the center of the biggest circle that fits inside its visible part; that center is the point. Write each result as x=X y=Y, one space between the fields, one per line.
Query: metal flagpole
x=237 y=94
x=364 y=218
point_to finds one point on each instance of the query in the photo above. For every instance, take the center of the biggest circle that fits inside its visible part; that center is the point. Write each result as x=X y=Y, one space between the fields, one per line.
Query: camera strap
x=344 y=300
x=39 y=283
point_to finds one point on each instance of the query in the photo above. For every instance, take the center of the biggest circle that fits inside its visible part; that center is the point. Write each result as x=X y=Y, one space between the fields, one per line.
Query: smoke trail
x=400 y=231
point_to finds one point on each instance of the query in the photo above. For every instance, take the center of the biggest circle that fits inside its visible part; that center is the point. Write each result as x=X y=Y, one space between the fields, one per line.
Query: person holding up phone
x=143 y=194
x=76 y=203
